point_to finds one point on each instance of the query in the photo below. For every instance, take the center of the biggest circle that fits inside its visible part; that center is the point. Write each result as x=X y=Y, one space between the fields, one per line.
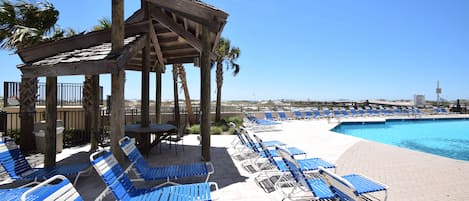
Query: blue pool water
x=448 y=138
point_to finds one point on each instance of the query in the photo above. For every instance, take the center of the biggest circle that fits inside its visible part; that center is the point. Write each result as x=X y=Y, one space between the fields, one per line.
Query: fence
x=68 y=94
x=74 y=123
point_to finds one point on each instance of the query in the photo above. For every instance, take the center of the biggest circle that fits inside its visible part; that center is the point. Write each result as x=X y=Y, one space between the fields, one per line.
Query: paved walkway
x=410 y=175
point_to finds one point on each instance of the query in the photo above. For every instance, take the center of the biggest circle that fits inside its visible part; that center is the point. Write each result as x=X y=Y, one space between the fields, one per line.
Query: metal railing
x=68 y=94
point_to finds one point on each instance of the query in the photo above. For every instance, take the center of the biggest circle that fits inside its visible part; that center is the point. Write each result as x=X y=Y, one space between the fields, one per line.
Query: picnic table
x=148 y=137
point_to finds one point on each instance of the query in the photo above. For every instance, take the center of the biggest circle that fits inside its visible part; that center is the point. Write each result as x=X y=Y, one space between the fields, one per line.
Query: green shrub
x=235 y=119
x=231 y=131
x=15 y=135
x=215 y=130
x=194 y=129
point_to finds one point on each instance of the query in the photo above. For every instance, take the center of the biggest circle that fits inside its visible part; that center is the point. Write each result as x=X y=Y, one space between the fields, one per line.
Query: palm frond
x=103 y=23
x=23 y=23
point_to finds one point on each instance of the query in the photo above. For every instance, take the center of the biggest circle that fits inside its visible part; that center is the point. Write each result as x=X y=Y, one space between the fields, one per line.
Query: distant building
x=419 y=100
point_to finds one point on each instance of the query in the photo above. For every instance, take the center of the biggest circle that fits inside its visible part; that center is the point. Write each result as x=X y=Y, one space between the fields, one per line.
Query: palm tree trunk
x=182 y=75
x=219 y=86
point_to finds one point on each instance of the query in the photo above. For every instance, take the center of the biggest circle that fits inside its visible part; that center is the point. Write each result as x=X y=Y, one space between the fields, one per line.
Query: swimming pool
x=448 y=138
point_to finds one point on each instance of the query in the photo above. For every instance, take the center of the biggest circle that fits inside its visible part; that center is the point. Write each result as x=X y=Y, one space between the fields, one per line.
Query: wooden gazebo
x=161 y=32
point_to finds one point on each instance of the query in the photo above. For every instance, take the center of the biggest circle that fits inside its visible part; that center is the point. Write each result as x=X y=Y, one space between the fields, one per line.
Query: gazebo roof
x=174 y=27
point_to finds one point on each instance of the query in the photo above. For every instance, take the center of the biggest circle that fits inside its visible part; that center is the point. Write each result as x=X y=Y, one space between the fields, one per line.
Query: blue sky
x=318 y=50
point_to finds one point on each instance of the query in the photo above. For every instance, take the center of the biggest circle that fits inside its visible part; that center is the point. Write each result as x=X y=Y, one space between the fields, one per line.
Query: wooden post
x=96 y=115
x=145 y=104
x=158 y=93
x=91 y=94
x=177 y=117
x=205 y=94
x=87 y=104
x=117 y=80
x=28 y=92
x=51 y=122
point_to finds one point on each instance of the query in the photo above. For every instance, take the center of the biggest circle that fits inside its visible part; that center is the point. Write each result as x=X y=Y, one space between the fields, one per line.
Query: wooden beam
x=156 y=45
x=137 y=16
x=176 y=47
x=205 y=94
x=197 y=30
x=76 y=68
x=217 y=38
x=44 y=50
x=161 y=17
x=180 y=60
x=181 y=51
x=51 y=122
x=130 y=51
x=168 y=39
x=182 y=54
x=193 y=11
x=185 y=24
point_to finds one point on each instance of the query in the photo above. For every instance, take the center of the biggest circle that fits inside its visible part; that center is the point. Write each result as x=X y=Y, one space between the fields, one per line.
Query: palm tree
x=104 y=23
x=23 y=24
x=228 y=55
x=182 y=76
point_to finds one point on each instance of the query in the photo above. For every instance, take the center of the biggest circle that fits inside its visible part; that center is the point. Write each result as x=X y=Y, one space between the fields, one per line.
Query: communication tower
x=438 y=92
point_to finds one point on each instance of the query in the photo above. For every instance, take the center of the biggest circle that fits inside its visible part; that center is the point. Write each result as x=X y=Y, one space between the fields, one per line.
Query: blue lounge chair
x=269 y=116
x=246 y=148
x=260 y=124
x=317 y=114
x=444 y=111
x=344 y=112
x=352 y=186
x=375 y=111
x=369 y=111
x=18 y=168
x=307 y=164
x=397 y=111
x=123 y=189
x=298 y=115
x=337 y=113
x=274 y=167
x=168 y=173
x=383 y=111
x=282 y=116
x=361 y=112
x=405 y=111
x=62 y=190
x=257 y=149
x=327 y=112
x=353 y=111
x=308 y=114
x=415 y=111
x=329 y=185
x=389 y=111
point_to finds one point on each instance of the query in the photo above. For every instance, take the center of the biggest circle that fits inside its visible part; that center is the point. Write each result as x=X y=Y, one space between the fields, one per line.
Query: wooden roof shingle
x=174 y=29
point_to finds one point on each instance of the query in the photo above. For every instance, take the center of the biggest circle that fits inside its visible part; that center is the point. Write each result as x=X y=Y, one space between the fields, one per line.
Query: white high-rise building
x=419 y=100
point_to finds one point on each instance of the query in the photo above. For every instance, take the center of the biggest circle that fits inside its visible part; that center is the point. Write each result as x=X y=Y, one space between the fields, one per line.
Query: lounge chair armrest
x=216 y=190
x=30 y=184
x=46 y=182
x=210 y=170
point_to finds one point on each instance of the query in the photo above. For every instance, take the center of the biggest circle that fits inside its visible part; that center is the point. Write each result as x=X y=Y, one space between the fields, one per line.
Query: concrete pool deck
x=410 y=175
